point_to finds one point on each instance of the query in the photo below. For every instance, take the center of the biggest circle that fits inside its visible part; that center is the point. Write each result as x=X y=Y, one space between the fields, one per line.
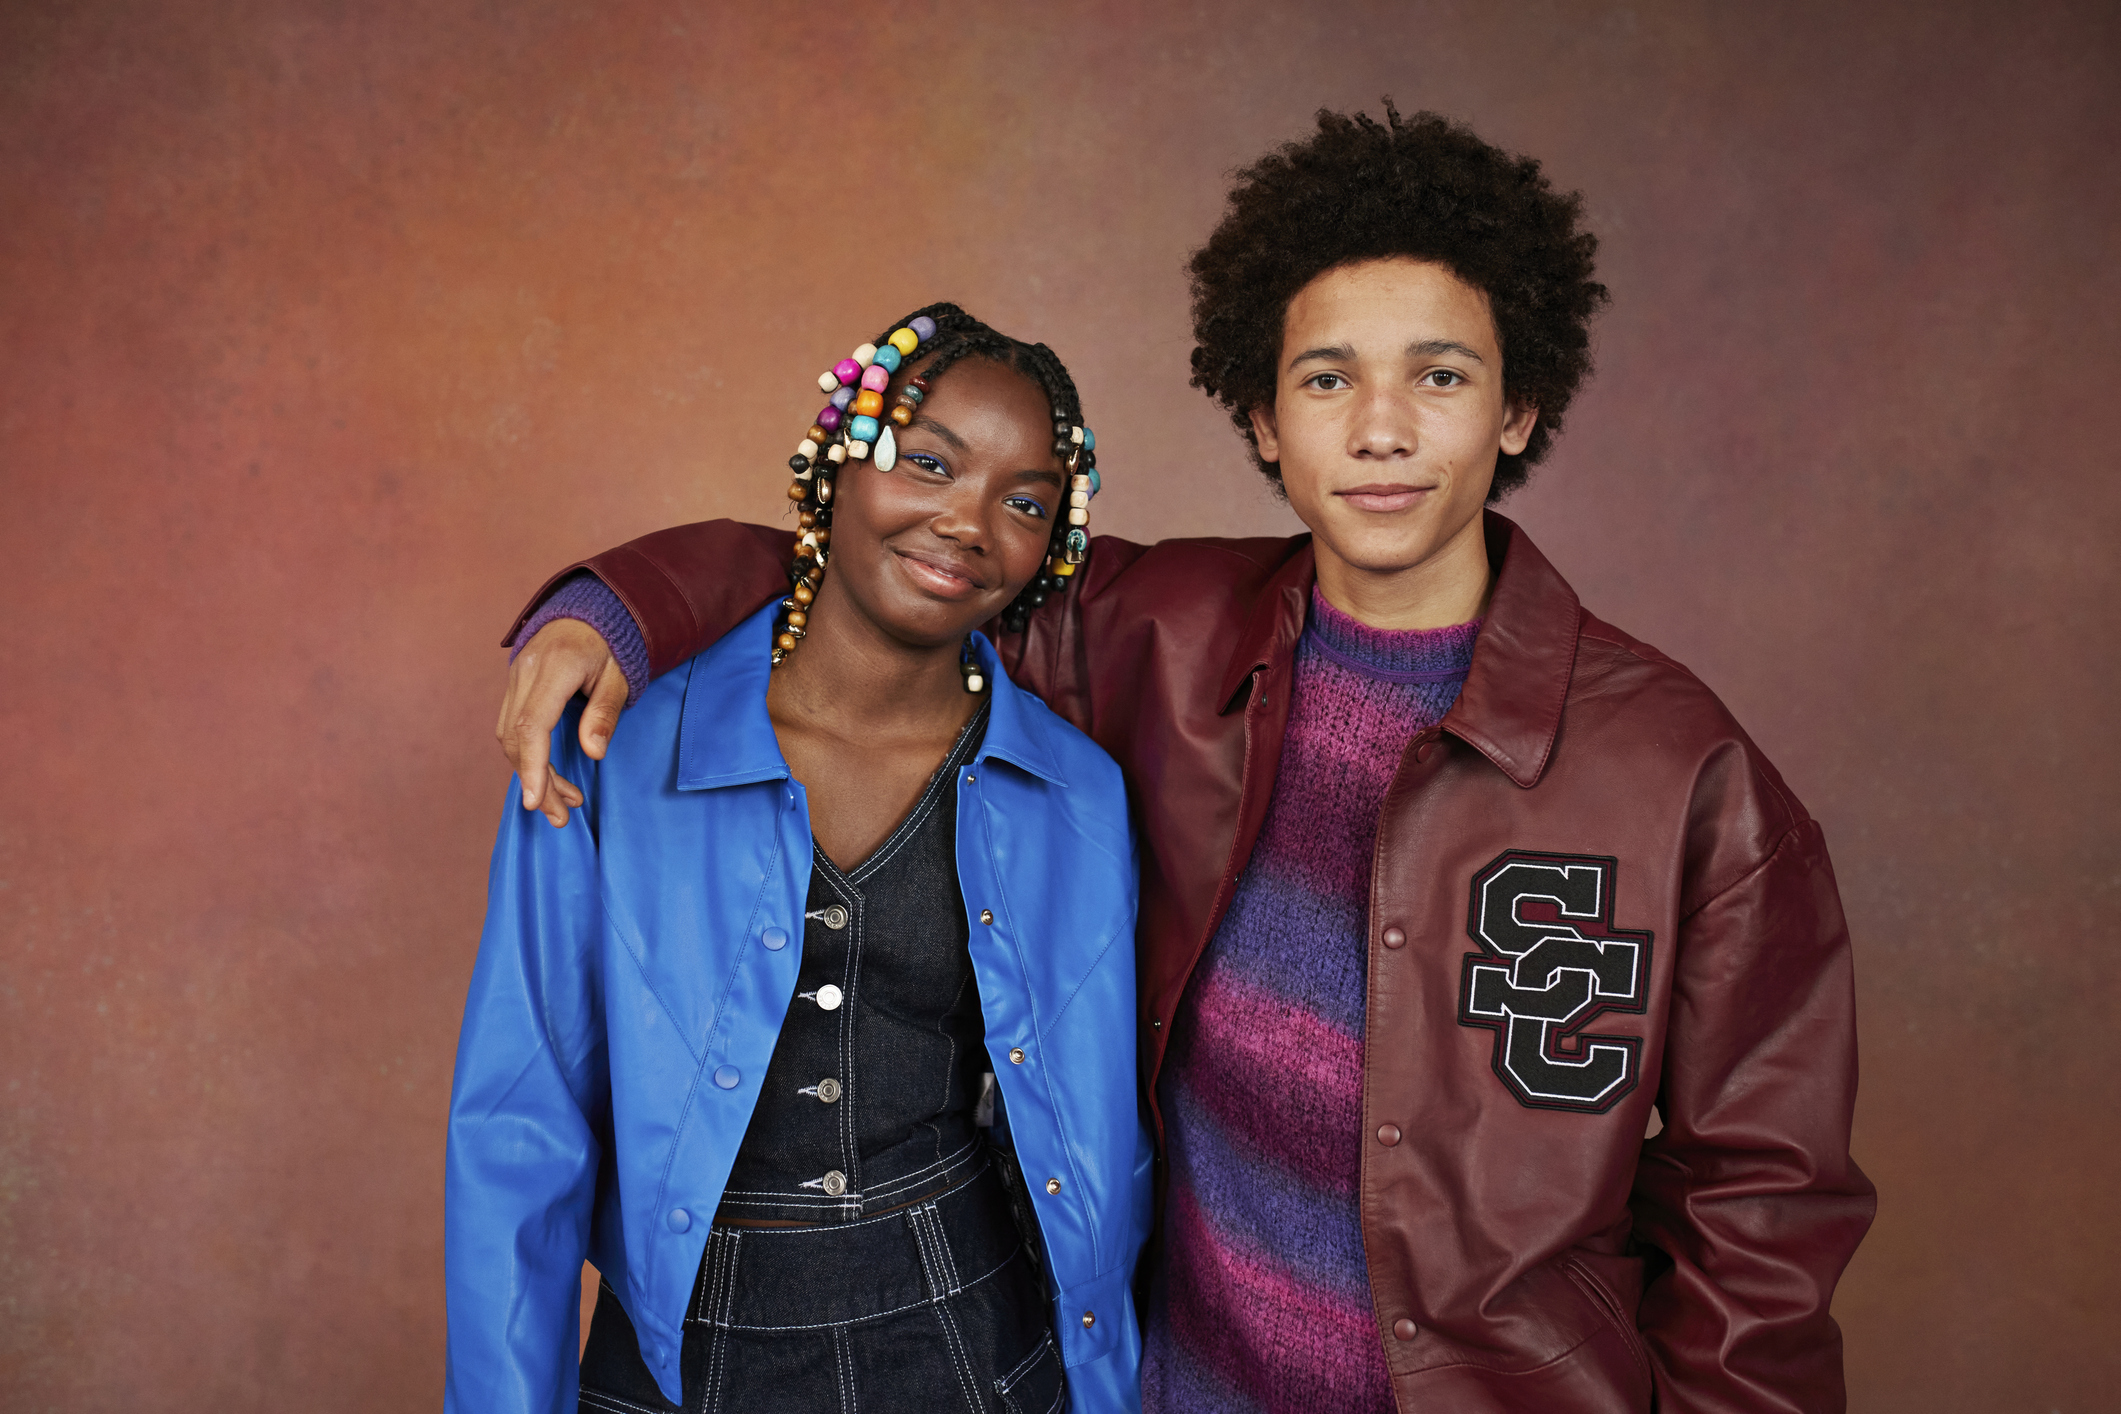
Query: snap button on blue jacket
x=632 y=979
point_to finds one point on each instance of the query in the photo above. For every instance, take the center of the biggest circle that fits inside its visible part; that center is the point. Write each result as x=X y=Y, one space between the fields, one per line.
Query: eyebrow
x=942 y=430
x=1051 y=478
x=1345 y=353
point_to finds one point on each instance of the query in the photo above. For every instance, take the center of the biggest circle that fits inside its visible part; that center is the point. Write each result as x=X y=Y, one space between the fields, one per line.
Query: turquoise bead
x=1097 y=483
x=862 y=429
x=888 y=358
x=1089 y=440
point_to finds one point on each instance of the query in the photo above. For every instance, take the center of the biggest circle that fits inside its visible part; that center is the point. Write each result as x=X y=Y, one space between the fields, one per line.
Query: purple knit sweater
x=583 y=596
x=1262 y=1297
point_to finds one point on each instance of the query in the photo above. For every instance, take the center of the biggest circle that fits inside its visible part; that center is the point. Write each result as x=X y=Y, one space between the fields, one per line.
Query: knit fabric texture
x=1261 y=1297
x=583 y=596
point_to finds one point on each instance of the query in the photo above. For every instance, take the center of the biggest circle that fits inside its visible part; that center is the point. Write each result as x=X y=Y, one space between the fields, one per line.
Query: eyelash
x=1029 y=505
x=1455 y=377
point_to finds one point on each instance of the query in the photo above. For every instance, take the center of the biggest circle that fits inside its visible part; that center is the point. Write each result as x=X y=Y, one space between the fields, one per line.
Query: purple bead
x=923 y=326
x=829 y=418
x=847 y=370
x=876 y=378
x=843 y=397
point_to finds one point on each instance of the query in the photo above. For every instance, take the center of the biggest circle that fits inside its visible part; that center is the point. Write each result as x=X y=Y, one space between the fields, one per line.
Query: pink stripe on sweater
x=1309 y=1118
x=1286 y=1344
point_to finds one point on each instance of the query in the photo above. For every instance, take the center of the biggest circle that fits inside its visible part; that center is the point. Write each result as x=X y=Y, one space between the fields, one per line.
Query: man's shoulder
x=1624 y=689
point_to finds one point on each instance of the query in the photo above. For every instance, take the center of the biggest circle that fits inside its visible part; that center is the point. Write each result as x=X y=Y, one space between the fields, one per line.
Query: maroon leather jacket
x=1591 y=895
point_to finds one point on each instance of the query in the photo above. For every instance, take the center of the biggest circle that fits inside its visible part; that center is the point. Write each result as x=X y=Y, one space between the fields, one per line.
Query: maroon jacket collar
x=1510 y=707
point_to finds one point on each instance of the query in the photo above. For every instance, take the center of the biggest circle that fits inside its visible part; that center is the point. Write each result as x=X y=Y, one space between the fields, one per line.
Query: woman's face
x=942 y=542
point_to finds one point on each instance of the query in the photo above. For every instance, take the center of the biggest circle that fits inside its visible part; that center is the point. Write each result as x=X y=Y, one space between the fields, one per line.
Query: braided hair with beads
x=852 y=425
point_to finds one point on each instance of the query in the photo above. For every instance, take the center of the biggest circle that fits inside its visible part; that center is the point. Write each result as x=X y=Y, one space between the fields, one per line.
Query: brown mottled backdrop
x=326 y=329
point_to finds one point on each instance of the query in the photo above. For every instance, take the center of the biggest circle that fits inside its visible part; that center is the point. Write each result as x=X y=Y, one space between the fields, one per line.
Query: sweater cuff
x=583 y=596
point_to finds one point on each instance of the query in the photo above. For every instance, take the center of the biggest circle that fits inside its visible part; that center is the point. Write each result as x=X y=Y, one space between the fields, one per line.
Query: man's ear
x=1517 y=427
x=1265 y=434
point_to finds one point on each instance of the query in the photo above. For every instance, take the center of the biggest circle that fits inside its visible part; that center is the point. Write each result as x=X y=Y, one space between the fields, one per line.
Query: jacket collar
x=725 y=736
x=1510 y=707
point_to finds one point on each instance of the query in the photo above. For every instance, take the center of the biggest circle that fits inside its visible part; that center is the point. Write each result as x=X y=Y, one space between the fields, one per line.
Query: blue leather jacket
x=631 y=983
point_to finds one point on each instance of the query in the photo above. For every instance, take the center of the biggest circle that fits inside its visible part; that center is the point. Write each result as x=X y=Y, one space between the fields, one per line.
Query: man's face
x=1389 y=412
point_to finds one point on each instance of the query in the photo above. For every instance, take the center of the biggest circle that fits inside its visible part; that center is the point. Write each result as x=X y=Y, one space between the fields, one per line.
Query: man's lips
x=939 y=575
x=1383 y=496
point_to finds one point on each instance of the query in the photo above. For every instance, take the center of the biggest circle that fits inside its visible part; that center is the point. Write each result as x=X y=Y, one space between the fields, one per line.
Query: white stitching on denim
x=612 y=1402
x=947 y=771
x=956 y=1340
x=1023 y=1367
x=875 y=1315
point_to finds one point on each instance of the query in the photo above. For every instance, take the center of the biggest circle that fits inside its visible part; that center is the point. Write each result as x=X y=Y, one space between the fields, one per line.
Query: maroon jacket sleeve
x=1749 y=1188
x=686 y=586
x=690 y=584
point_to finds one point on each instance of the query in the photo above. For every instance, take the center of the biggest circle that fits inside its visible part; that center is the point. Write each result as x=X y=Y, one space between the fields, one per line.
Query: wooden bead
x=803 y=594
x=786 y=643
x=798 y=619
x=869 y=404
x=902 y=414
x=826 y=382
x=1078 y=516
x=824 y=536
x=806 y=519
x=905 y=340
x=817 y=434
x=865 y=355
x=797 y=490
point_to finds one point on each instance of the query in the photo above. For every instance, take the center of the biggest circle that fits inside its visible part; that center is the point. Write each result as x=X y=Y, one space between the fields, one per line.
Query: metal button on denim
x=829 y=997
x=727 y=1076
x=986 y=915
x=1016 y=1055
x=1405 y=1329
x=835 y=1183
x=680 y=1220
x=774 y=938
x=828 y=1090
x=1053 y=1185
x=834 y=917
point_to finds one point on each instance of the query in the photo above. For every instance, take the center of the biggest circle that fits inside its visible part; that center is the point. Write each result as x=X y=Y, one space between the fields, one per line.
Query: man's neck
x=1450 y=586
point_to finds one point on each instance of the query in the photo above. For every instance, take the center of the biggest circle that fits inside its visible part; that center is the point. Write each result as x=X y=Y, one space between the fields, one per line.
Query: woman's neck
x=850 y=678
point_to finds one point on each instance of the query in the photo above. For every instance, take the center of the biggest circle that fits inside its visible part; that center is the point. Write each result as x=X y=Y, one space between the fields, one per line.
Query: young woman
x=817 y=1041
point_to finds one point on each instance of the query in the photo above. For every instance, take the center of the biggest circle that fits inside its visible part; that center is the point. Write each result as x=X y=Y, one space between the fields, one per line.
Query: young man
x=1448 y=884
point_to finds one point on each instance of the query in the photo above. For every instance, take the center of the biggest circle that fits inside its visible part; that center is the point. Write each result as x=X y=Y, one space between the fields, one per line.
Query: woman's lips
x=938 y=576
x=1382 y=498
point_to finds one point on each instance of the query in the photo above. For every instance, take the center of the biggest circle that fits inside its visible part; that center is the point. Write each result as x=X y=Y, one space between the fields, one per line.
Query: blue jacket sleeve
x=526 y=1112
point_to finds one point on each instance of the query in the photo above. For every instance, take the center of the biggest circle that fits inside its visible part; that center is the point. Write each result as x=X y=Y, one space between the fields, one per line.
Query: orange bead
x=798 y=619
x=868 y=403
x=786 y=643
x=902 y=414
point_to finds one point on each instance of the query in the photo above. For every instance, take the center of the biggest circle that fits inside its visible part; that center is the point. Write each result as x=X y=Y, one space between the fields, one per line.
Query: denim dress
x=874 y=1247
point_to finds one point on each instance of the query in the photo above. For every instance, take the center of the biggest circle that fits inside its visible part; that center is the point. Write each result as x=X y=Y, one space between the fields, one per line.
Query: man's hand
x=566 y=657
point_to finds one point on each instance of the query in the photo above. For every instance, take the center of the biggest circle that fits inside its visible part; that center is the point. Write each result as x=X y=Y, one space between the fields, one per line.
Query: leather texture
x=1549 y=1258
x=631 y=985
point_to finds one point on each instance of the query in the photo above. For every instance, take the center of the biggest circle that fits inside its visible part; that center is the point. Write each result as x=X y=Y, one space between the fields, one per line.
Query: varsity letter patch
x=1550 y=961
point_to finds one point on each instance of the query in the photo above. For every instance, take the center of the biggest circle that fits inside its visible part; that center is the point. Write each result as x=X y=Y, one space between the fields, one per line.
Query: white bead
x=975 y=683
x=1078 y=516
x=865 y=355
x=858 y=450
x=828 y=382
x=886 y=449
x=809 y=538
x=1075 y=435
x=1078 y=498
x=1079 y=483
x=836 y=453
x=806 y=448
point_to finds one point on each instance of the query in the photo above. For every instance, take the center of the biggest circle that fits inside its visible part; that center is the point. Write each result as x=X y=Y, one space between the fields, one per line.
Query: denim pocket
x=1038 y=1385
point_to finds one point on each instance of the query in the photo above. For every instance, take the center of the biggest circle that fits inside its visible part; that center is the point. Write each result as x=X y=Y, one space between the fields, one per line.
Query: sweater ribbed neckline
x=1392 y=654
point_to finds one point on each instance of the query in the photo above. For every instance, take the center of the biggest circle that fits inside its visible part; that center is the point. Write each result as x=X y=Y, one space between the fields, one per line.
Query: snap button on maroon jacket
x=1395 y=938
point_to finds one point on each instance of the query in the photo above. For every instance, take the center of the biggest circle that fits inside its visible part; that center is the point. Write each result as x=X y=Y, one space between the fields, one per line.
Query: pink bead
x=847 y=370
x=829 y=418
x=877 y=378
